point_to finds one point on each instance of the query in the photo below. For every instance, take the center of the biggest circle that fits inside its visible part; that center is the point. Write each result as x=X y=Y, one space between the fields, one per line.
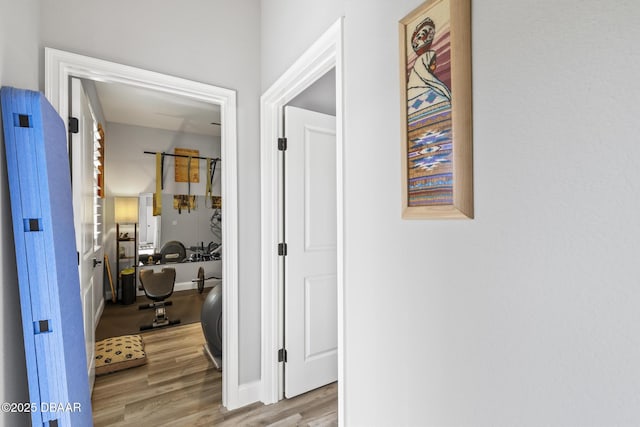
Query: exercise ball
x=211 y=320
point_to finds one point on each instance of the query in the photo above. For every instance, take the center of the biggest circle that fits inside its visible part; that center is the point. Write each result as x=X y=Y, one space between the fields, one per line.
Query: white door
x=84 y=205
x=310 y=286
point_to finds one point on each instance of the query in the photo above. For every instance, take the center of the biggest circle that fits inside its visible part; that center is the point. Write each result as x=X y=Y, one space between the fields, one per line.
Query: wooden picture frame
x=436 y=111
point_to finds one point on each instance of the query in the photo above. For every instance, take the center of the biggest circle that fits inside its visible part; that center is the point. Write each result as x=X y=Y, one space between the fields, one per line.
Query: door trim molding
x=325 y=54
x=60 y=65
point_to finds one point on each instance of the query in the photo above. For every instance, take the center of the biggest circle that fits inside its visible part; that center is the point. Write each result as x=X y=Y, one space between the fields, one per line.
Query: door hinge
x=282 y=144
x=78 y=255
x=282 y=249
x=282 y=355
x=73 y=125
x=32 y=224
x=42 y=326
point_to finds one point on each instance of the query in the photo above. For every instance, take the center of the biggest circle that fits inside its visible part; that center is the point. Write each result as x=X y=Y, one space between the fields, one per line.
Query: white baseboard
x=185 y=286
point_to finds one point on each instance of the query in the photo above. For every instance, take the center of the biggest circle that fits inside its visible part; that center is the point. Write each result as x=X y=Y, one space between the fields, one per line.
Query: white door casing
x=323 y=55
x=310 y=218
x=61 y=65
x=82 y=187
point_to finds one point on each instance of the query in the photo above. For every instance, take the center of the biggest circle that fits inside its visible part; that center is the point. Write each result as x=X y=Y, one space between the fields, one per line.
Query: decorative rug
x=118 y=353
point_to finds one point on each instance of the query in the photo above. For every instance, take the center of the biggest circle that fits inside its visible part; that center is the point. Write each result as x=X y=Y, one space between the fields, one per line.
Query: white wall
x=19 y=63
x=211 y=41
x=303 y=22
x=129 y=171
x=527 y=315
x=320 y=96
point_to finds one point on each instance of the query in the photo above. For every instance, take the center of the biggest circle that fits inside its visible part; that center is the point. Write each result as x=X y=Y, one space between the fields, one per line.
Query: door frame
x=60 y=65
x=326 y=53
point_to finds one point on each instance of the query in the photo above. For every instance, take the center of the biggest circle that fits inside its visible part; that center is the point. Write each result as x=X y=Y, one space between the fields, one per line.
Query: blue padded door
x=44 y=235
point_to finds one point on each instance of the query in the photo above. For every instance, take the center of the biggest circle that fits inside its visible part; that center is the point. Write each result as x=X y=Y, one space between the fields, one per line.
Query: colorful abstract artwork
x=429 y=94
x=429 y=108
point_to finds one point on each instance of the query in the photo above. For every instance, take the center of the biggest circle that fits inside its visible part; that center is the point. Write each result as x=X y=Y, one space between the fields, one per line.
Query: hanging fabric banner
x=209 y=179
x=157 y=196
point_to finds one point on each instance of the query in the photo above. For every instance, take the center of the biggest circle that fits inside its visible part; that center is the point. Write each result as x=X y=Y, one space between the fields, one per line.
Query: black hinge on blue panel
x=32 y=224
x=22 y=120
x=78 y=254
x=41 y=326
x=282 y=355
x=73 y=125
x=282 y=249
x=282 y=144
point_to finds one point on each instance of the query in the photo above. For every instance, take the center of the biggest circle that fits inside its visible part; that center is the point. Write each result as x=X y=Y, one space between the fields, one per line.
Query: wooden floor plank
x=179 y=386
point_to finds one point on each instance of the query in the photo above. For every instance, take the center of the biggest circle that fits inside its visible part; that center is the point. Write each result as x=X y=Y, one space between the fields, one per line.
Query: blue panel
x=44 y=235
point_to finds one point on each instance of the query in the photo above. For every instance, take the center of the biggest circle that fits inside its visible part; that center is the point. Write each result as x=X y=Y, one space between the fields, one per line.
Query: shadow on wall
x=14 y=371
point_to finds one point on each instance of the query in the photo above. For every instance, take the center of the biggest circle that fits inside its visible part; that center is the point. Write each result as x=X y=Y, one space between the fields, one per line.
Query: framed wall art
x=436 y=115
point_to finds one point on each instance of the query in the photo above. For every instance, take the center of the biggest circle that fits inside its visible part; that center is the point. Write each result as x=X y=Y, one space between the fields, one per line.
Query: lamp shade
x=126 y=210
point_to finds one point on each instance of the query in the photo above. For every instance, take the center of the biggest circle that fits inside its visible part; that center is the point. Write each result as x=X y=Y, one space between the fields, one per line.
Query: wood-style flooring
x=118 y=319
x=179 y=386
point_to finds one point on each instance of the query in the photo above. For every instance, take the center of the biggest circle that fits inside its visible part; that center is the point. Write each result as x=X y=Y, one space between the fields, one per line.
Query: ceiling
x=137 y=106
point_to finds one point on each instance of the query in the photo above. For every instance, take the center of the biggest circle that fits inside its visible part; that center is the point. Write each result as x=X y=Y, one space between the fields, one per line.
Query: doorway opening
x=321 y=58
x=61 y=66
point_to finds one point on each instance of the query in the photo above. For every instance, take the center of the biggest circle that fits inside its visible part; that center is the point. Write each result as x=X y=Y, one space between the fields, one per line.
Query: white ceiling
x=154 y=109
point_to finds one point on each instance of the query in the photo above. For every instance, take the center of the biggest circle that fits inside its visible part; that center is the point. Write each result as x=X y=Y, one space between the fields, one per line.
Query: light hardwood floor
x=179 y=386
